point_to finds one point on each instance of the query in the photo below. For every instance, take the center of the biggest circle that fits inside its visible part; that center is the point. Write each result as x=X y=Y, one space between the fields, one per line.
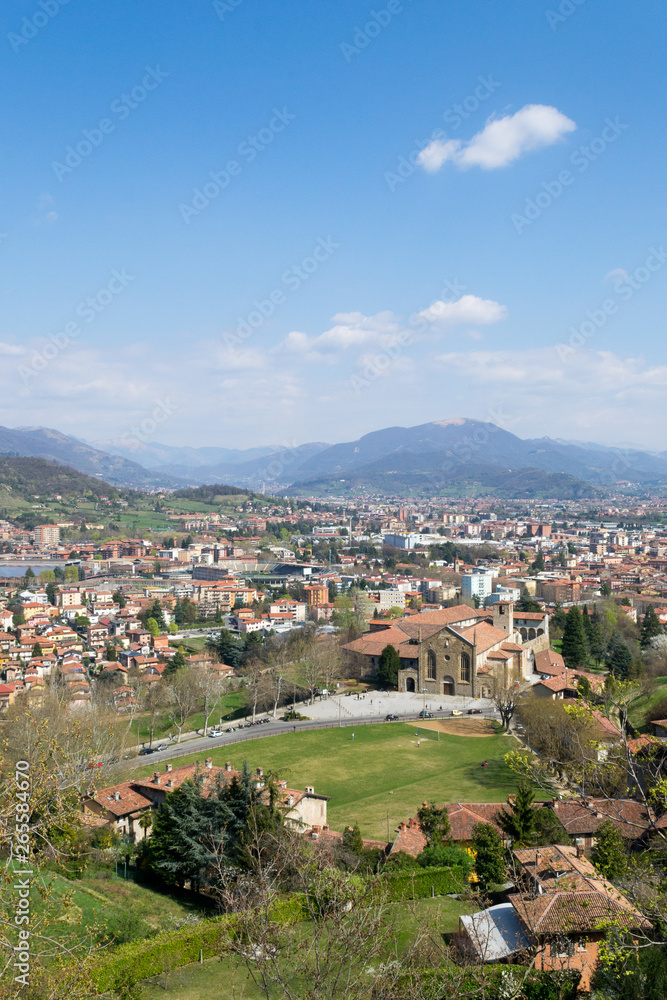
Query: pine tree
x=619 y=657
x=596 y=643
x=559 y=616
x=650 y=627
x=388 y=666
x=490 y=864
x=434 y=823
x=519 y=823
x=574 y=648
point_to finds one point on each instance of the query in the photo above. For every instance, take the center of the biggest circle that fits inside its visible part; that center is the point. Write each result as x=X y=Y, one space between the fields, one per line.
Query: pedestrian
x=419 y=743
x=352 y=735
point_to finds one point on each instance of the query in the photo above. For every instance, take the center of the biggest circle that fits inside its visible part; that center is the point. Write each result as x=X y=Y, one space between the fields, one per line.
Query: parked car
x=161 y=746
x=390 y=718
x=455 y=711
x=146 y=750
x=215 y=732
x=427 y=715
x=474 y=711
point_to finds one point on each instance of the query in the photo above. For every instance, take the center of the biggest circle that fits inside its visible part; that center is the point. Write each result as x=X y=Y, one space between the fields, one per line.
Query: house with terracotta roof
x=122 y=806
x=557 y=914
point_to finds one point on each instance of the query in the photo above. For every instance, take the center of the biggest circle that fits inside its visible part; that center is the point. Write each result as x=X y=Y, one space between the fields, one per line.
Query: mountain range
x=458 y=456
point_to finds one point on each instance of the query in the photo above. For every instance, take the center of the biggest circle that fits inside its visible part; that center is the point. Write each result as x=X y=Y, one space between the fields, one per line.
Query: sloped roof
x=582 y=817
x=571 y=895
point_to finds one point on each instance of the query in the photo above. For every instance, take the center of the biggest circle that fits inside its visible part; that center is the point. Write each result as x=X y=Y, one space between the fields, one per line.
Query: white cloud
x=501 y=141
x=468 y=310
x=11 y=350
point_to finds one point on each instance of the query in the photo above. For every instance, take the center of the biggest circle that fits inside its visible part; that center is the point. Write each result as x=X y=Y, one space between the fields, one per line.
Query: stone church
x=459 y=651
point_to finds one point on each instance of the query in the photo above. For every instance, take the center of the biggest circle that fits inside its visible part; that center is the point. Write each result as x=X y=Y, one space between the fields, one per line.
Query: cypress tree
x=389 y=665
x=575 y=649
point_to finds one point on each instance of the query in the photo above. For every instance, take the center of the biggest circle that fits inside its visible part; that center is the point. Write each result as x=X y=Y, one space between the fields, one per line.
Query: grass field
x=117 y=905
x=229 y=980
x=381 y=771
x=640 y=706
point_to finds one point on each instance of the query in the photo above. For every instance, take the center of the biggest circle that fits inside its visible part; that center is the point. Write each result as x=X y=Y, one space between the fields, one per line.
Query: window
x=431 y=665
x=561 y=947
x=465 y=668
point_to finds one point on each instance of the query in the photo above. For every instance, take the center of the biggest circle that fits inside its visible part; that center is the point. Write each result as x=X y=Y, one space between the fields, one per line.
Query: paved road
x=206 y=743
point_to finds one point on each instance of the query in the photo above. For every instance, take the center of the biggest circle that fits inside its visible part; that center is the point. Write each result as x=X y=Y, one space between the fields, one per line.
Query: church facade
x=460 y=651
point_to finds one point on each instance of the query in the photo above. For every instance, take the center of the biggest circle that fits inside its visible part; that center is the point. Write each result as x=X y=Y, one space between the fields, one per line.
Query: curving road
x=273 y=728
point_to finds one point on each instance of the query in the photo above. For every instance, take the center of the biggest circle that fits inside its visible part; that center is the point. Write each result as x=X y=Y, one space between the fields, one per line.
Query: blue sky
x=476 y=284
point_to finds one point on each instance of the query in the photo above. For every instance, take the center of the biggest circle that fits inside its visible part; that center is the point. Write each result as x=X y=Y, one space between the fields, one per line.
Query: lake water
x=8 y=570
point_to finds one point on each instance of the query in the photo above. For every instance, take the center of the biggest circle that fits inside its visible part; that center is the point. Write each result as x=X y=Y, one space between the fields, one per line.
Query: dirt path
x=458 y=727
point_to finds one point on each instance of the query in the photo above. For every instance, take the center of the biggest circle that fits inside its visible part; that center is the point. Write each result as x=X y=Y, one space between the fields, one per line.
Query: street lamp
x=424 y=705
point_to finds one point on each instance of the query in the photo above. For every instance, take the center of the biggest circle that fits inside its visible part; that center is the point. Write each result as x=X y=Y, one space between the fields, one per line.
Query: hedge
x=131 y=963
x=420 y=883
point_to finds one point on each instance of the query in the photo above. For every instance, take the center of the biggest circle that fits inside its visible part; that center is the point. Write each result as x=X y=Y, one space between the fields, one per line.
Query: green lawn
x=117 y=905
x=381 y=771
x=641 y=705
x=228 y=979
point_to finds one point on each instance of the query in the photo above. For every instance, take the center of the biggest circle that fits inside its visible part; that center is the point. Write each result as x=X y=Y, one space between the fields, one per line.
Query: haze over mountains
x=445 y=457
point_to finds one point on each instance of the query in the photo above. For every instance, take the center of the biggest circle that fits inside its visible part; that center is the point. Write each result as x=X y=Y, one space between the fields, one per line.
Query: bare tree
x=154 y=699
x=256 y=684
x=183 y=695
x=506 y=701
x=210 y=687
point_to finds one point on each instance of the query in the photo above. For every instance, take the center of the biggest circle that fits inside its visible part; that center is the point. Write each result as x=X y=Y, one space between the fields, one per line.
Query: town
x=527 y=637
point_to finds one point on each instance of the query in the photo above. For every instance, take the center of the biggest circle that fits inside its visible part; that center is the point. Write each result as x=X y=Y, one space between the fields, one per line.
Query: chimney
x=116 y=796
x=156 y=777
x=290 y=800
x=167 y=766
x=326 y=826
x=260 y=772
x=228 y=766
x=309 y=790
x=580 y=848
x=511 y=799
x=208 y=763
x=170 y=783
x=555 y=804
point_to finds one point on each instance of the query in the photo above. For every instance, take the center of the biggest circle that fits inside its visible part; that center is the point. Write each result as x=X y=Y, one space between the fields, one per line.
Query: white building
x=478 y=583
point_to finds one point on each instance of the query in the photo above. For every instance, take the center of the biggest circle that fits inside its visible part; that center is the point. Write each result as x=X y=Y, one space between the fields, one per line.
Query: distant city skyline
x=270 y=227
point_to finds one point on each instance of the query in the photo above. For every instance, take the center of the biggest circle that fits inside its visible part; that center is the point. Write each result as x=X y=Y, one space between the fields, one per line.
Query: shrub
x=419 y=884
